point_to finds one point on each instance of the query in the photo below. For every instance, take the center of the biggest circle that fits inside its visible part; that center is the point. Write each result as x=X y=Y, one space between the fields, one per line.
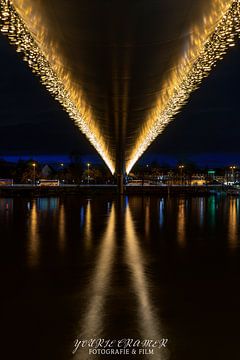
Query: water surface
x=138 y=267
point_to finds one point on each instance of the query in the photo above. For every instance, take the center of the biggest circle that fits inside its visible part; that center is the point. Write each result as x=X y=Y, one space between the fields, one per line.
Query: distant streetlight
x=181 y=167
x=233 y=168
x=34 y=173
x=88 y=165
x=145 y=172
x=62 y=165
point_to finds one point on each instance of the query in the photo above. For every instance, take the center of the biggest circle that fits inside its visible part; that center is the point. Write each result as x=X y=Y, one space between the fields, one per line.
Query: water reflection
x=62 y=227
x=147 y=217
x=201 y=211
x=161 y=212
x=92 y=324
x=181 y=223
x=33 y=235
x=82 y=215
x=148 y=321
x=88 y=225
x=233 y=223
x=47 y=204
x=111 y=268
x=6 y=209
x=100 y=282
x=49 y=214
x=212 y=211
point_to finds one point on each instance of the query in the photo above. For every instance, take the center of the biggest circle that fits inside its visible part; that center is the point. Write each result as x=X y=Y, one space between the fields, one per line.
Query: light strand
x=215 y=47
x=13 y=26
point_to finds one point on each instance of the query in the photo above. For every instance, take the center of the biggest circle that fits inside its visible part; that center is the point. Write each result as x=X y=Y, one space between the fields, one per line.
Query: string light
x=13 y=26
x=209 y=50
x=212 y=50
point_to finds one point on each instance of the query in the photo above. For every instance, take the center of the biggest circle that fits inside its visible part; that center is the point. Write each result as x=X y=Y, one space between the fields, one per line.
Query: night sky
x=32 y=122
x=207 y=130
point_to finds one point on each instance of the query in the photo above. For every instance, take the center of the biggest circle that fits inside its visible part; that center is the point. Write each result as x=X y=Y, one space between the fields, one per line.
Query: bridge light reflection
x=33 y=236
x=135 y=261
x=93 y=322
x=233 y=223
x=181 y=223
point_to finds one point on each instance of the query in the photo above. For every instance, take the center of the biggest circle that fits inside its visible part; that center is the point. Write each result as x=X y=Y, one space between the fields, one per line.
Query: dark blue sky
x=206 y=131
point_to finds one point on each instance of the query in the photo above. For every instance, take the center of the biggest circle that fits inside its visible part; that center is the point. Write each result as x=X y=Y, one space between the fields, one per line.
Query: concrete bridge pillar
x=120 y=173
x=120 y=183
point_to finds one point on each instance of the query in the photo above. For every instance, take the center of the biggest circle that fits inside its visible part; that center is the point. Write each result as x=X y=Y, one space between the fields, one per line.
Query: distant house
x=46 y=171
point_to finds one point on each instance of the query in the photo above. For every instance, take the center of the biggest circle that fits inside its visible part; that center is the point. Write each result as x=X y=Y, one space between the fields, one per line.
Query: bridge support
x=120 y=183
x=120 y=153
x=120 y=173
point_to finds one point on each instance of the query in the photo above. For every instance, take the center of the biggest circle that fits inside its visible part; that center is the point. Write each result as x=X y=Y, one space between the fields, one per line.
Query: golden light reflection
x=149 y=323
x=33 y=236
x=147 y=217
x=232 y=223
x=181 y=223
x=62 y=227
x=93 y=321
x=88 y=225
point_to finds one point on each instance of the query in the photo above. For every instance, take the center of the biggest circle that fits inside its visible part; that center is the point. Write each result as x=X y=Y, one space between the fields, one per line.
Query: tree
x=74 y=173
x=30 y=172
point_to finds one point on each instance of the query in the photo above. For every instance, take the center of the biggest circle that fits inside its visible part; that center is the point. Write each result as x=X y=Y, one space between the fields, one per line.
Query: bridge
x=122 y=70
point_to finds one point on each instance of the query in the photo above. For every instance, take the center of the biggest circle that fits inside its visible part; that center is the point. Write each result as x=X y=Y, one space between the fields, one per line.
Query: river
x=140 y=268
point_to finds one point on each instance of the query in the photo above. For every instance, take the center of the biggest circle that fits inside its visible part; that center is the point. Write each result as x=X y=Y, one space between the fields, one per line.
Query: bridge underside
x=121 y=69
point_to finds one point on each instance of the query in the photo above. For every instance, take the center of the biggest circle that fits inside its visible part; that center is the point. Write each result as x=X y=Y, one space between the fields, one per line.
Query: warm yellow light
x=51 y=75
x=208 y=45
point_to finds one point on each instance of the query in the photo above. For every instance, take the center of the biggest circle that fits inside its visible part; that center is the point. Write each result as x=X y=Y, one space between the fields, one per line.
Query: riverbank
x=91 y=190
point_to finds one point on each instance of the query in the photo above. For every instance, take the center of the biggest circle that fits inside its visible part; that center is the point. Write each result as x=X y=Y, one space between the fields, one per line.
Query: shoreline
x=92 y=190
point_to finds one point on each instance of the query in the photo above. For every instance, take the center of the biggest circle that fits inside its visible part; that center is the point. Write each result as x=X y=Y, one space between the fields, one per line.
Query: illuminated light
x=141 y=283
x=19 y=35
x=209 y=41
x=181 y=224
x=33 y=237
x=195 y=67
x=100 y=284
x=233 y=224
x=62 y=227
